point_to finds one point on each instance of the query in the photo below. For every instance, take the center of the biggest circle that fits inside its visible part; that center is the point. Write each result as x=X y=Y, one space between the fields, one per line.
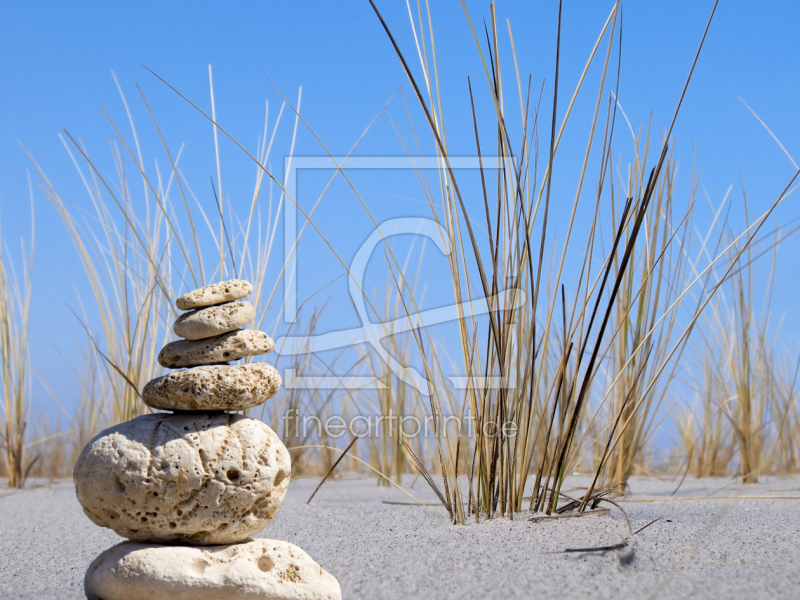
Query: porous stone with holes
x=217 y=293
x=219 y=387
x=222 y=348
x=201 y=477
x=193 y=478
x=214 y=320
x=256 y=569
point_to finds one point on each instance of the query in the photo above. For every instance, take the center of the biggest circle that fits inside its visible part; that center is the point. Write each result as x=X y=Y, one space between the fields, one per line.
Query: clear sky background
x=56 y=60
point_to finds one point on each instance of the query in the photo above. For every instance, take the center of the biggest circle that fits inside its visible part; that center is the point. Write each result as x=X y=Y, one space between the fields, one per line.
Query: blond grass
x=15 y=300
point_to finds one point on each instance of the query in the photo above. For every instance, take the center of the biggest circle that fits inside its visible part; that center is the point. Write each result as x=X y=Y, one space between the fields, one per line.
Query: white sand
x=727 y=548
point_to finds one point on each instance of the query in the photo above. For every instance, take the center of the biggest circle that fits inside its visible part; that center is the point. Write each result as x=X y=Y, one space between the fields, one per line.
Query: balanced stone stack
x=190 y=487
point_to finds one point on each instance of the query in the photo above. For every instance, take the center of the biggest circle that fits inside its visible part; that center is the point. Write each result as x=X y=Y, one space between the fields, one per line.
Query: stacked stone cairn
x=190 y=487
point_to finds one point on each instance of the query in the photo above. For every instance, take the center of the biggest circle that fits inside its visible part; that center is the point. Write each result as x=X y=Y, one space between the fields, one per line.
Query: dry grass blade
x=333 y=467
x=14 y=360
x=225 y=229
x=570 y=515
x=374 y=470
x=618 y=546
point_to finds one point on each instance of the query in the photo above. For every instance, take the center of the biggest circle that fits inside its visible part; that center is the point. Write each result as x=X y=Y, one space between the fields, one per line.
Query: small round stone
x=217 y=293
x=210 y=351
x=190 y=478
x=214 y=320
x=259 y=569
x=217 y=387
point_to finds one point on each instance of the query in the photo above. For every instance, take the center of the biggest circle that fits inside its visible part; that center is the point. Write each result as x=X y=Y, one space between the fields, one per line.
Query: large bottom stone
x=263 y=569
x=195 y=478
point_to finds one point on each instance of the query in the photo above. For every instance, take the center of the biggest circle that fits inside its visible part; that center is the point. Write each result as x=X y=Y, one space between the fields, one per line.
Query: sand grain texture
x=733 y=549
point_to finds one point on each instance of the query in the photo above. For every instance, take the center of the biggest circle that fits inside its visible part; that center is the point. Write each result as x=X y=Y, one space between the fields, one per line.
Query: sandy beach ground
x=721 y=548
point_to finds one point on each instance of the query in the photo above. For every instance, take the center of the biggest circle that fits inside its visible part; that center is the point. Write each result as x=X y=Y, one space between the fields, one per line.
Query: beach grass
x=622 y=317
x=15 y=371
x=596 y=313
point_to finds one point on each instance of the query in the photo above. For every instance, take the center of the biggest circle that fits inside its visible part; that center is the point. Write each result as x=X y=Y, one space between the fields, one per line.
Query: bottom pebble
x=260 y=568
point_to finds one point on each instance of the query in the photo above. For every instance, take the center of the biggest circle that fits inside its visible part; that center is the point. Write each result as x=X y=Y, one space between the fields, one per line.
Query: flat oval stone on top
x=216 y=387
x=214 y=320
x=217 y=293
x=210 y=351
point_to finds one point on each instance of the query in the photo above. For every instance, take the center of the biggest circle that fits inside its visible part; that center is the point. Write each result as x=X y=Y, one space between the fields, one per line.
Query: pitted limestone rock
x=191 y=478
x=224 y=291
x=258 y=569
x=217 y=387
x=214 y=320
x=222 y=348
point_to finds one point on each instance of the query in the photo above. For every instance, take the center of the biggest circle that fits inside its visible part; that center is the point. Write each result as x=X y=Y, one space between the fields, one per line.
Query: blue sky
x=56 y=61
